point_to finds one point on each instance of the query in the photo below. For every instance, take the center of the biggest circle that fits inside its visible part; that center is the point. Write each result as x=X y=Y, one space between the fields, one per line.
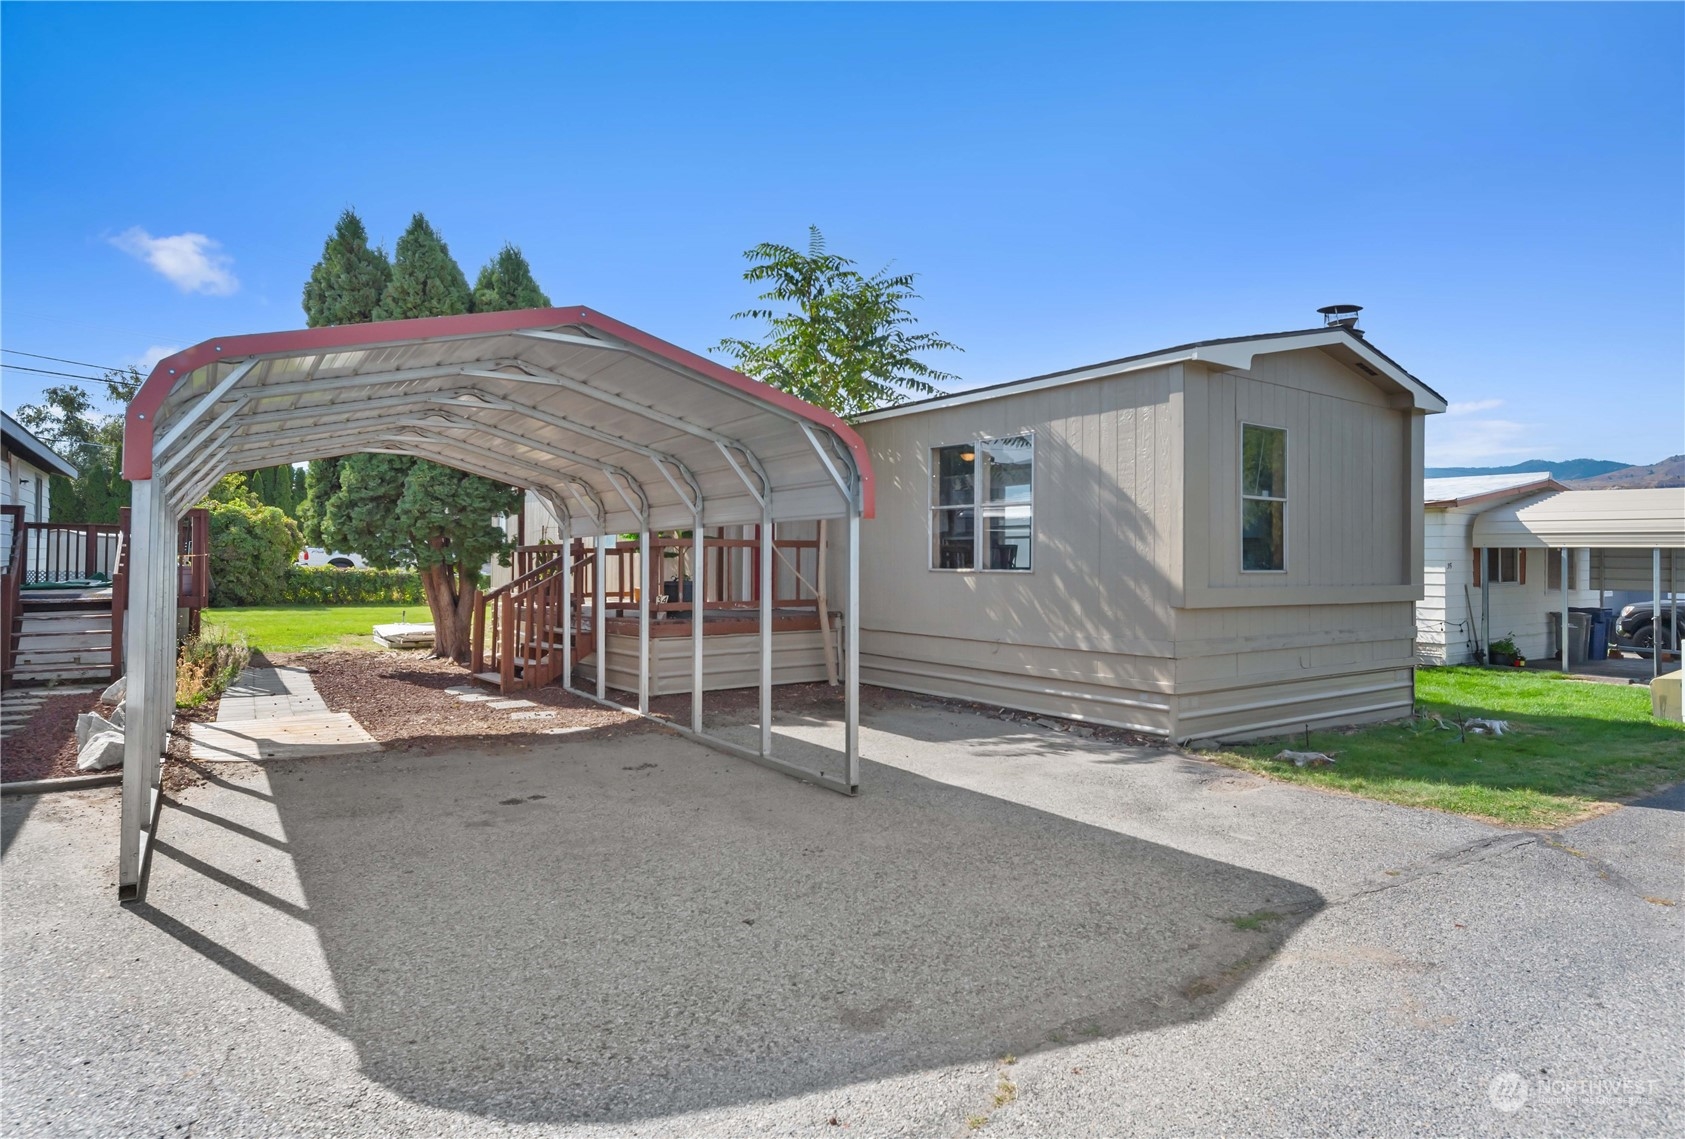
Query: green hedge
x=324 y=585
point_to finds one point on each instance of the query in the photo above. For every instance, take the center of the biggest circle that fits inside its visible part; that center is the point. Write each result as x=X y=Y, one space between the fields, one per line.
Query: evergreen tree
x=426 y=281
x=507 y=283
x=395 y=510
x=347 y=283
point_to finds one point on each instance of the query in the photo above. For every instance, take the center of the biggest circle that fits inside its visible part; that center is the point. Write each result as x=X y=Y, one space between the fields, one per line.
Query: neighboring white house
x=25 y=466
x=27 y=462
x=1526 y=585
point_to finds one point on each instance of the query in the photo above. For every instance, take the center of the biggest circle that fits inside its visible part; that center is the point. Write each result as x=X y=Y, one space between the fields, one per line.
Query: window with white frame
x=982 y=504
x=1263 y=499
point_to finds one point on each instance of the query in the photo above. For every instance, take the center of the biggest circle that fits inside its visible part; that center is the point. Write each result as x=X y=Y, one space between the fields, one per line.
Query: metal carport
x=1634 y=537
x=616 y=430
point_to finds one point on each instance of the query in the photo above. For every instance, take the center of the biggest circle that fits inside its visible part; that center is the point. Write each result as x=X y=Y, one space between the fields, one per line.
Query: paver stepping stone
x=504 y=704
x=532 y=716
x=464 y=689
x=472 y=697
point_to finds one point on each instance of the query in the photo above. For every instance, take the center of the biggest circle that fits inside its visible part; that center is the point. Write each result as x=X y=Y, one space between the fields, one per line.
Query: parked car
x=317 y=556
x=1636 y=625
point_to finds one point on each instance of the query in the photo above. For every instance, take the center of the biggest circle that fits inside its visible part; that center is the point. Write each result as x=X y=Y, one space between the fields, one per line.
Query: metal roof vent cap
x=1341 y=316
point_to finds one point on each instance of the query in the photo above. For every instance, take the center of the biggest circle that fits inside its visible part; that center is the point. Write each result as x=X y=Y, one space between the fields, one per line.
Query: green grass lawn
x=1573 y=747
x=300 y=628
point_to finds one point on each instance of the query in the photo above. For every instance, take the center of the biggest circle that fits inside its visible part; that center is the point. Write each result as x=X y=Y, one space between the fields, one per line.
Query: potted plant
x=1505 y=652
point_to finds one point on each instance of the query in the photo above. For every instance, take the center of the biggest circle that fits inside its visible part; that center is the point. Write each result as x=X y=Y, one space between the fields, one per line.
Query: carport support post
x=567 y=604
x=1564 y=610
x=644 y=580
x=766 y=630
x=698 y=613
x=143 y=509
x=851 y=667
x=599 y=626
x=1656 y=612
x=1485 y=604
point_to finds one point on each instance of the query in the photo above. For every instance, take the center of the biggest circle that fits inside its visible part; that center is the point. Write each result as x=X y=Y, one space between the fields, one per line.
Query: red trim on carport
x=138 y=421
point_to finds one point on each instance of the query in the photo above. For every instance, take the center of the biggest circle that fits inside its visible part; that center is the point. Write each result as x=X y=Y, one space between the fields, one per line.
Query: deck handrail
x=502 y=631
x=10 y=597
x=119 y=592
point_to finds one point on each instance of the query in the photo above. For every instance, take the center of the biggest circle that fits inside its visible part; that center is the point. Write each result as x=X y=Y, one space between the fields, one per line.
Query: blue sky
x=1503 y=186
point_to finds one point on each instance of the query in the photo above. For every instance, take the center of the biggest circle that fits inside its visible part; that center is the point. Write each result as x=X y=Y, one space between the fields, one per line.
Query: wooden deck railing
x=11 y=581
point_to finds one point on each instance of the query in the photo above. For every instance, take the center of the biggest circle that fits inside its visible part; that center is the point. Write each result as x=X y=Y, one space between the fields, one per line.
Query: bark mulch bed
x=45 y=748
x=399 y=698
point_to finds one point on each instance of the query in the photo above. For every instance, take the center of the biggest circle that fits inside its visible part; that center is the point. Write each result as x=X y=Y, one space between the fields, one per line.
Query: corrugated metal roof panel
x=1606 y=519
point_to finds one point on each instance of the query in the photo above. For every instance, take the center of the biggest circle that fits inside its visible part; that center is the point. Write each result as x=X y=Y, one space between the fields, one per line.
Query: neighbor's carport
x=615 y=430
x=1634 y=540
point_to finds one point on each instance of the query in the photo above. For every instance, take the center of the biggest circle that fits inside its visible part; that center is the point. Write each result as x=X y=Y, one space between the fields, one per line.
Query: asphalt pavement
x=1010 y=931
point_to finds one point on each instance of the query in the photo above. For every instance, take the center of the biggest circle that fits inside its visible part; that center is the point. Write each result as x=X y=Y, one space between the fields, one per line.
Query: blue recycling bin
x=1599 y=623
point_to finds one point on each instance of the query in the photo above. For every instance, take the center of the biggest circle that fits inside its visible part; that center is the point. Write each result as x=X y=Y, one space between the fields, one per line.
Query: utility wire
x=48 y=372
x=59 y=360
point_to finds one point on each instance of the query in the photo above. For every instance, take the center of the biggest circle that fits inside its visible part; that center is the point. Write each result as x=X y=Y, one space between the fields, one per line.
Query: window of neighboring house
x=1553 y=570
x=1505 y=566
x=1263 y=499
x=982 y=504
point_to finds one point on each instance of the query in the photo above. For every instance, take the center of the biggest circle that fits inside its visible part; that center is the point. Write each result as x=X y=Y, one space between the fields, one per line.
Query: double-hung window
x=1263 y=499
x=982 y=504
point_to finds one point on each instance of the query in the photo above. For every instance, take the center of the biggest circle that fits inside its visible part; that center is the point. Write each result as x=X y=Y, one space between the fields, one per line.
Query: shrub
x=252 y=548
x=208 y=664
x=324 y=585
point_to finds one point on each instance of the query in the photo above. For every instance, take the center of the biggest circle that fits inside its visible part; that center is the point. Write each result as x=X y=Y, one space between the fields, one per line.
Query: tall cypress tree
x=349 y=280
x=507 y=283
x=426 y=280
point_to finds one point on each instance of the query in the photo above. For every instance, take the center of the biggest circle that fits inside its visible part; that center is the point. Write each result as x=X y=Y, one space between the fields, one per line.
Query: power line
x=59 y=360
x=49 y=372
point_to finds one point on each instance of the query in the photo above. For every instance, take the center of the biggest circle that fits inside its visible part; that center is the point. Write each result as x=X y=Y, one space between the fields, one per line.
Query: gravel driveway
x=1009 y=931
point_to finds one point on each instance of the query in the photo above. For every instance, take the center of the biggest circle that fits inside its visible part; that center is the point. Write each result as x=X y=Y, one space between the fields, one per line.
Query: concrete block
x=1666 y=701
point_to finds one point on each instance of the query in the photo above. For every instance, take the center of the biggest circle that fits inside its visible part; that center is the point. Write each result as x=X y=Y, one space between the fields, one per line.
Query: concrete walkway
x=275 y=712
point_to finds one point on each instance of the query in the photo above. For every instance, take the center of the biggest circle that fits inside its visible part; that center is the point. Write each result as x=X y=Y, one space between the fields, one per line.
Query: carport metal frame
x=175 y=448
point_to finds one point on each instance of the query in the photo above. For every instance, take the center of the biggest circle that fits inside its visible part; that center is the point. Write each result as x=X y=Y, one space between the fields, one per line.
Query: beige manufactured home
x=1213 y=541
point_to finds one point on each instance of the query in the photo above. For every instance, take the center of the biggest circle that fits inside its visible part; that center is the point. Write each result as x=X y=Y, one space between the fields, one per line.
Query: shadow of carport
x=632 y=926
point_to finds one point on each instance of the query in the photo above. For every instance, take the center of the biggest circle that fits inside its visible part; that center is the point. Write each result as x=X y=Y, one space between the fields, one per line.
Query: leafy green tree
x=70 y=422
x=400 y=511
x=252 y=545
x=347 y=283
x=507 y=283
x=426 y=280
x=834 y=337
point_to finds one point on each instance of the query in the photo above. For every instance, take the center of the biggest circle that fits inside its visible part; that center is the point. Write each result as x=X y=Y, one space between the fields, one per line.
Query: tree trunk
x=452 y=604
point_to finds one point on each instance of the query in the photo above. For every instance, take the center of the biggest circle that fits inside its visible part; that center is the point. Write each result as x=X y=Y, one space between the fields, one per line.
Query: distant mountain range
x=1565 y=469
x=1587 y=474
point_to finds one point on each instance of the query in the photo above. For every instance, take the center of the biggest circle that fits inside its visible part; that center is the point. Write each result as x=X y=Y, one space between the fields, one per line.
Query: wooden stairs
x=58 y=638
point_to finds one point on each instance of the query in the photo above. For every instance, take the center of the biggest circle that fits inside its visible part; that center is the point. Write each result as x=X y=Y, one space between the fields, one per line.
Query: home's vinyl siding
x=1132 y=616
x=729 y=661
x=1087 y=632
x=1352 y=483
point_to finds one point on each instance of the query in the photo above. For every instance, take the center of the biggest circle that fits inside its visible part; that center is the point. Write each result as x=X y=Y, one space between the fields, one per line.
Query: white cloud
x=148 y=359
x=1469 y=407
x=1480 y=442
x=191 y=261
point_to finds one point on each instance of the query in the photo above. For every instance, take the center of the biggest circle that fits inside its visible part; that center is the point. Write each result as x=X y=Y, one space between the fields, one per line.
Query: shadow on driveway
x=623 y=929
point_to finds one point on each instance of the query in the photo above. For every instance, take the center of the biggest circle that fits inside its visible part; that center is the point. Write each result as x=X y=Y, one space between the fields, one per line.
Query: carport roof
x=1579 y=519
x=617 y=429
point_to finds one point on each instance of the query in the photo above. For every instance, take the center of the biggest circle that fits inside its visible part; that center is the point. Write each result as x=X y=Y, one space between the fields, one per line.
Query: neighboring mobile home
x=1216 y=540
x=1526 y=586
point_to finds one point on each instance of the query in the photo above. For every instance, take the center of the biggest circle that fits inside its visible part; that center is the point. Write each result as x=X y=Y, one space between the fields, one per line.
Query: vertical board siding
x=1137 y=499
x=1349 y=472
